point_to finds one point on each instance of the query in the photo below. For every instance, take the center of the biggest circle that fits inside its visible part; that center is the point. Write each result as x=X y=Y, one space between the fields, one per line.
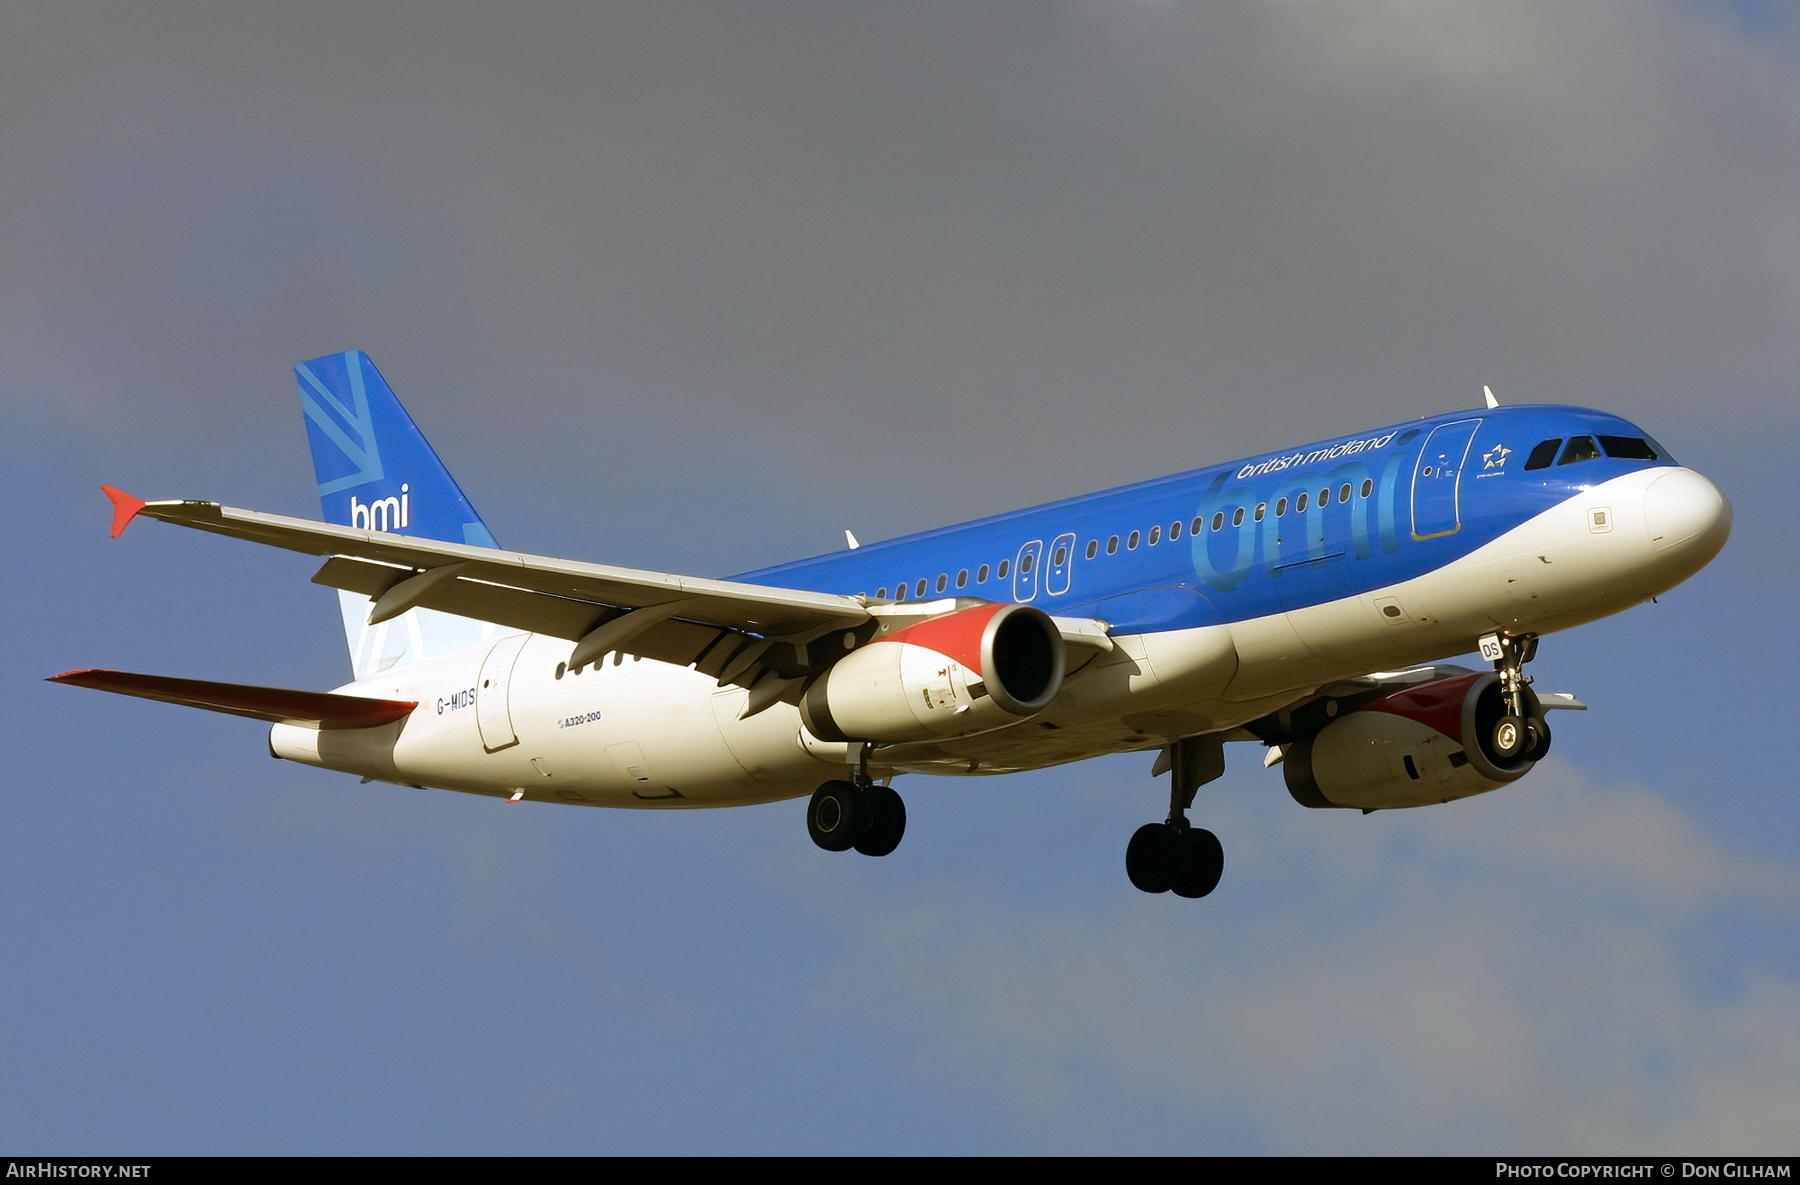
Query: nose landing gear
x=1174 y=856
x=856 y=814
x=1521 y=734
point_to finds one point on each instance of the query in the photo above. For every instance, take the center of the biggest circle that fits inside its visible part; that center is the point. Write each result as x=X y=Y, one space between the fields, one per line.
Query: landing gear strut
x=1521 y=734
x=856 y=814
x=1174 y=856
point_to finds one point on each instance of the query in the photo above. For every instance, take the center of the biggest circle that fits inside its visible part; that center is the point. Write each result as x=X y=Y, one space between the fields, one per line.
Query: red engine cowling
x=961 y=673
x=1423 y=745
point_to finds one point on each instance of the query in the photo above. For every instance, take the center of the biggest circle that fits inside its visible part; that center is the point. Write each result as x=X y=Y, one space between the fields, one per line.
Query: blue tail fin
x=377 y=472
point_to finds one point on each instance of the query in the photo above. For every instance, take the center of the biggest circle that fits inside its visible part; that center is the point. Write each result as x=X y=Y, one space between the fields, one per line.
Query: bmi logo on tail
x=382 y=514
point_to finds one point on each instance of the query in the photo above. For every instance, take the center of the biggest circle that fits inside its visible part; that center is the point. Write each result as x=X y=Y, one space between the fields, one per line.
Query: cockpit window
x=1629 y=448
x=1543 y=454
x=1579 y=448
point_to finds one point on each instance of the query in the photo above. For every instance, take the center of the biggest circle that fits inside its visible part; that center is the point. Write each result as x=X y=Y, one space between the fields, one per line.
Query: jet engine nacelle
x=964 y=672
x=1424 y=745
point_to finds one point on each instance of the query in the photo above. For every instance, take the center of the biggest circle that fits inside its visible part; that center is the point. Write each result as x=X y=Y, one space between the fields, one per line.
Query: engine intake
x=963 y=672
x=1416 y=747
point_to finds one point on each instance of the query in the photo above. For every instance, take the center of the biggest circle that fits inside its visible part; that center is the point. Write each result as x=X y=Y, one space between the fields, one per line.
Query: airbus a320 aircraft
x=1294 y=598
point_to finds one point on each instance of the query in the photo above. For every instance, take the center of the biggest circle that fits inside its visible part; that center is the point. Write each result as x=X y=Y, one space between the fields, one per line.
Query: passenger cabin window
x=1174 y=532
x=881 y=594
x=1543 y=454
x=1093 y=548
x=1344 y=493
x=1112 y=546
x=1005 y=567
x=1280 y=507
x=962 y=578
x=1155 y=535
x=1629 y=448
x=1025 y=564
x=1300 y=505
x=943 y=582
x=1218 y=521
x=1131 y=541
x=1261 y=507
x=1061 y=557
x=1237 y=517
x=919 y=589
x=981 y=574
x=1579 y=448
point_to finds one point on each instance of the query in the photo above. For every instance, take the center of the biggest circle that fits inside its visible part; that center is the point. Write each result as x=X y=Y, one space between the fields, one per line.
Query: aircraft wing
x=746 y=606
x=733 y=631
x=563 y=598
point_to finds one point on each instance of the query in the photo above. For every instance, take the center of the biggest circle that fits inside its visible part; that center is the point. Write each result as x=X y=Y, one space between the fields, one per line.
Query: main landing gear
x=1173 y=856
x=1521 y=734
x=856 y=814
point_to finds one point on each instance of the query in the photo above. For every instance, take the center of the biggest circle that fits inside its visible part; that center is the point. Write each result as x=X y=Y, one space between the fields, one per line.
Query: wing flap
x=277 y=705
x=674 y=641
x=515 y=608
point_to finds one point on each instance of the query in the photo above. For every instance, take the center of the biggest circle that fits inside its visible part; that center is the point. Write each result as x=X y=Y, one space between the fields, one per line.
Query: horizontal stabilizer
x=277 y=705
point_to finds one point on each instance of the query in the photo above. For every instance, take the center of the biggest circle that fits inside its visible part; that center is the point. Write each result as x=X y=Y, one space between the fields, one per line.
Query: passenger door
x=1437 y=475
x=493 y=711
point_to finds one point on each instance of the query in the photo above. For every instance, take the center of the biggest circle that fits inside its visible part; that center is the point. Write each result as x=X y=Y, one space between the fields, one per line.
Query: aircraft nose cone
x=1685 y=512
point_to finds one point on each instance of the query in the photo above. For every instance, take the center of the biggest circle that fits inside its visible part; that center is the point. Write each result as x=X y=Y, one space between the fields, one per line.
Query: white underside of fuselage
x=637 y=733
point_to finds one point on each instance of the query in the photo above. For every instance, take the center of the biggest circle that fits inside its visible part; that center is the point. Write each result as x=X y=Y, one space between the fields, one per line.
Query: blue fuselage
x=1264 y=535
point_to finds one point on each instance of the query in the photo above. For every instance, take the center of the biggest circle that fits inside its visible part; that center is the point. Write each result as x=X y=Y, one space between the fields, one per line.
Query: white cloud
x=1514 y=979
x=1461 y=43
x=1624 y=841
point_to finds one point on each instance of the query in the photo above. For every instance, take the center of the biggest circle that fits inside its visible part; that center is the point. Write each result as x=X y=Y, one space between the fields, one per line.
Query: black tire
x=1540 y=739
x=1511 y=738
x=837 y=816
x=1153 y=857
x=887 y=823
x=1202 y=865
